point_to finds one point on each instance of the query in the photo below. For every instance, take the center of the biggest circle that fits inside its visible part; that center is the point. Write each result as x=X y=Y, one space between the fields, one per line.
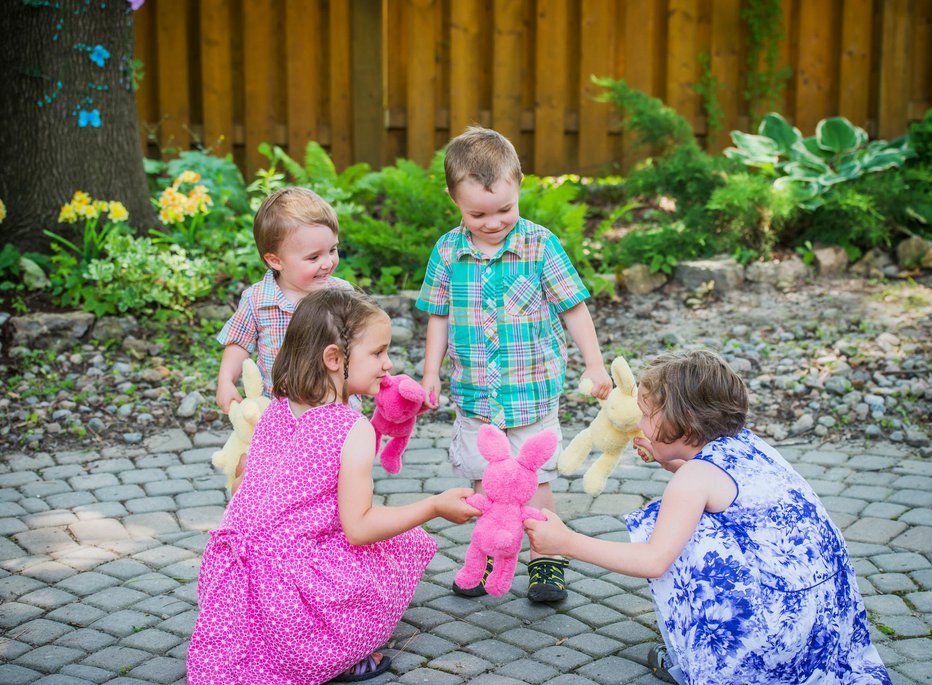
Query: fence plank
x=368 y=114
x=682 y=51
x=813 y=76
x=303 y=80
x=921 y=88
x=550 y=149
x=174 y=103
x=259 y=113
x=597 y=50
x=895 y=76
x=855 y=61
x=726 y=66
x=217 y=75
x=340 y=119
x=643 y=59
x=506 y=68
x=422 y=79
x=465 y=46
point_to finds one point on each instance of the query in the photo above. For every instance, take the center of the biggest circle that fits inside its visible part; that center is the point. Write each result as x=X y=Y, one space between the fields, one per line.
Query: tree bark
x=55 y=75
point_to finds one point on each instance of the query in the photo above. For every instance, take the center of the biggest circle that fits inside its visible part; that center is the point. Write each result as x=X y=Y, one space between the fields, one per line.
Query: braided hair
x=331 y=316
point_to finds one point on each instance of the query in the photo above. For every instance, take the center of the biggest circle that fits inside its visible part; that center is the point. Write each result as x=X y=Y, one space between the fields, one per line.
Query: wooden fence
x=374 y=80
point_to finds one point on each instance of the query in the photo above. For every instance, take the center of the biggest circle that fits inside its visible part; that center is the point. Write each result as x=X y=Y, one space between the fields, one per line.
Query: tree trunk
x=68 y=114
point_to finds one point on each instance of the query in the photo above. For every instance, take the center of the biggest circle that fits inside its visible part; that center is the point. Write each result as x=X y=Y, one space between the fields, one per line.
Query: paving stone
x=183 y=570
x=70 y=500
x=49 y=658
x=124 y=623
x=496 y=651
x=87 y=583
x=900 y=561
x=172 y=440
x=115 y=598
x=10 y=674
x=201 y=498
x=613 y=670
x=918 y=539
x=150 y=461
x=50 y=518
x=884 y=510
x=12 y=587
x=461 y=633
x=152 y=584
x=596 y=615
x=116 y=658
x=60 y=679
x=100 y=510
x=460 y=663
x=907 y=626
x=85 y=557
x=630 y=604
x=181 y=624
x=124 y=569
x=119 y=493
x=17 y=479
x=11 y=648
x=889 y=583
x=562 y=658
x=161 y=669
x=47 y=598
x=912 y=498
x=40 y=631
x=45 y=488
x=139 y=476
x=96 y=532
x=629 y=632
x=880 y=531
x=528 y=671
x=594 y=645
x=922 y=601
x=495 y=679
x=886 y=605
x=164 y=606
x=151 y=640
x=88 y=673
x=145 y=505
x=45 y=540
x=167 y=487
x=86 y=639
x=429 y=675
x=93 y=481
x=528 y=639
x=75 y=614
x=561 y=625
x=200 y=518
x=150 y=525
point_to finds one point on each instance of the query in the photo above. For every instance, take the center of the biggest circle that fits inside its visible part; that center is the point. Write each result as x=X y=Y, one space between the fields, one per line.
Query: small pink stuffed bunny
x=397 y=404
x=508 y=484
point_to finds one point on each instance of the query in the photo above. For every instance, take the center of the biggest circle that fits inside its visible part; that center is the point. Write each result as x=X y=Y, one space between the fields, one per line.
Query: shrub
x=749 y=212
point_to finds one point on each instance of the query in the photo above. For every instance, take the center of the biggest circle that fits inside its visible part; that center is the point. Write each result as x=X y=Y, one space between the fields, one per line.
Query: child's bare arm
x=364 y=523
x=435 y=349
x=582 y=331
x=231 y=368
x=684 y=500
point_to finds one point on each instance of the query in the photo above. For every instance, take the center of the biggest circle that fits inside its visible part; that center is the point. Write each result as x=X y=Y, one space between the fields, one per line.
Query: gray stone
x=639 y=279
x=725 y=273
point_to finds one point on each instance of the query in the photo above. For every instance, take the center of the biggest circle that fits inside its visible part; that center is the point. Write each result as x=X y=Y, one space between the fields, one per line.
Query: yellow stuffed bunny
x=244 y=416
x=611 y=430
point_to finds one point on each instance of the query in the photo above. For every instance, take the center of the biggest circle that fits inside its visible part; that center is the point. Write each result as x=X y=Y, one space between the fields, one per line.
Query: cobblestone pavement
x=99 y=554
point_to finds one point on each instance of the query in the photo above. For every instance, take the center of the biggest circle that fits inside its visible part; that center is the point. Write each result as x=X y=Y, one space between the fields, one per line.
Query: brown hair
x=285 y=210
x=330 y=316
x=483 y=155
x=698 y=396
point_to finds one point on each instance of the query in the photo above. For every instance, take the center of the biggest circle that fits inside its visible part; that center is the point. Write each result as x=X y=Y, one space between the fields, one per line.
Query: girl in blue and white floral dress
x=750 y=577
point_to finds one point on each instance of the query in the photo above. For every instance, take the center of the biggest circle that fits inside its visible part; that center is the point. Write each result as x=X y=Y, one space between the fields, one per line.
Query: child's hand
x=226 y=395
x=451 y=505
x=601 y=381
x=431 y=384
x=644 y=449
x=547 y=537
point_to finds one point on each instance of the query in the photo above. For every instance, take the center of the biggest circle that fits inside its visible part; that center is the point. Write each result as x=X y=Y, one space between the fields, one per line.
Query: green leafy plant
x=810 y=167
x=806 y=252
x=749 y=212
x=21 y=272
x=184 y=212
x=707 y=88
x=93 y=234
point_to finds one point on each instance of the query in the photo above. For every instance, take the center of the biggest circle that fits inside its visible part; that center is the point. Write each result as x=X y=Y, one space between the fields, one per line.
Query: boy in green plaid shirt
x=494 y=288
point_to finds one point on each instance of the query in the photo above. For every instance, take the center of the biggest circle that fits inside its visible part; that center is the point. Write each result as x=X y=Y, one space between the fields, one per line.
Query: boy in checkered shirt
x=296 y=233
x=494 y=288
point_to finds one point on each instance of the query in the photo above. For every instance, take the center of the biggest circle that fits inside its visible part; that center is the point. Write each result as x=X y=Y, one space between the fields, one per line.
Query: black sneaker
x=479 y=590
x=655 y=659
x=546 y=584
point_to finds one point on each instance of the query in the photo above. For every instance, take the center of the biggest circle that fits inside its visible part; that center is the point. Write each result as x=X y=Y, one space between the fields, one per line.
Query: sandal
x=364 y=670
x=655 y=659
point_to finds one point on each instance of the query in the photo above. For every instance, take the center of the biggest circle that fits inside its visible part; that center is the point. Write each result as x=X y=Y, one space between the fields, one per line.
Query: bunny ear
x=535 y=452
x=493 y=444
x=624 y=379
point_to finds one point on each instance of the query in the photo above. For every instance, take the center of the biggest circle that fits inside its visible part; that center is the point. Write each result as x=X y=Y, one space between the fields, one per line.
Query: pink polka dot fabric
x=284 y=597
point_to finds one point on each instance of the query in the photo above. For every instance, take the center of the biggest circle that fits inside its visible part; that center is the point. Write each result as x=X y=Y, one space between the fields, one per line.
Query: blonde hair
x=698 y=395
x=483 y=155
x=286 y=210
x=331 y=316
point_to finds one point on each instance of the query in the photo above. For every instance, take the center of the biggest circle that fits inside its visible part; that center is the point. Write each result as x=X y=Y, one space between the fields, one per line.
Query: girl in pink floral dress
x=305 y=577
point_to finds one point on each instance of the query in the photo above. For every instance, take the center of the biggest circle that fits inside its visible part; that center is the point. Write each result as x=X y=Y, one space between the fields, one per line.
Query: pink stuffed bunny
x=508 y=484
x=397 y=404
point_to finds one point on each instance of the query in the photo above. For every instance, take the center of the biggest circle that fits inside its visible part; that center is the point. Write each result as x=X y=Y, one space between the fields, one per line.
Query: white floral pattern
x=764 y=591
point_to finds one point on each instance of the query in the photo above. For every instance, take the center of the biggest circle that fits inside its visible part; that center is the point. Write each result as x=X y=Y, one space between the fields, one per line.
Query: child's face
x=305 y=259
x=663 y=452
x=488 y=216
x=369 y=360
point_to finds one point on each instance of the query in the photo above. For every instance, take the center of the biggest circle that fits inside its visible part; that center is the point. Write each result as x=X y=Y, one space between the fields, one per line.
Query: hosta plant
x=838 y=152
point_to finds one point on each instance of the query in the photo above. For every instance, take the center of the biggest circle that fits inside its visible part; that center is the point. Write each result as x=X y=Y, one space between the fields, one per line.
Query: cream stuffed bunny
x=611 y=430
x=244 y=416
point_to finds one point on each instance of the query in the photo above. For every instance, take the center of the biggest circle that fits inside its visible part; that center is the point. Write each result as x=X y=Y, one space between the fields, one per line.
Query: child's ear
x=273 y=261
x=333 y=358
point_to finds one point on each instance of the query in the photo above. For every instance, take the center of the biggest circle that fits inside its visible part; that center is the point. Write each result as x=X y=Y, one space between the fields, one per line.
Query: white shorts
x=464 y=449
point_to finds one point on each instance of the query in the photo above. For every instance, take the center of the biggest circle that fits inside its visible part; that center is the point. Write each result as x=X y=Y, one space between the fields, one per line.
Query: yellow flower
x=67 y=214
x=118 y=212
x=2 y=211
x=187 y=177
x=89 y=211
x=80 y=199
